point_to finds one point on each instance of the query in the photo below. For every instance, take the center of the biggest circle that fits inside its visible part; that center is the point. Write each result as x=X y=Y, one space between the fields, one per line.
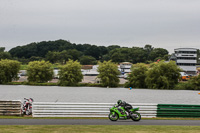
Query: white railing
x=59 y=109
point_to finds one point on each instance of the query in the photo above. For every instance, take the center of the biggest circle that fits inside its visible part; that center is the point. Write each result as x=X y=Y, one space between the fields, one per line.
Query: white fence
x=58 y=109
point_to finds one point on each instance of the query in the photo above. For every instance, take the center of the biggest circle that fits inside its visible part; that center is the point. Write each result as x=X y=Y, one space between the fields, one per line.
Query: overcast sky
x=167 y=24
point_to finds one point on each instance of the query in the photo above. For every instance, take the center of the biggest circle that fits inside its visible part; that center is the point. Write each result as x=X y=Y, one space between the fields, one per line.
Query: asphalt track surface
x=96 y=122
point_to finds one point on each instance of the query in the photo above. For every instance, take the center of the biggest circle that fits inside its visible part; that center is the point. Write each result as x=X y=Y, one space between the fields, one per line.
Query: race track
x=96 y=122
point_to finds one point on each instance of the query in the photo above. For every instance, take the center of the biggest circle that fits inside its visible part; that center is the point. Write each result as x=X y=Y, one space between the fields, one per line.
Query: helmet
x=119 y=102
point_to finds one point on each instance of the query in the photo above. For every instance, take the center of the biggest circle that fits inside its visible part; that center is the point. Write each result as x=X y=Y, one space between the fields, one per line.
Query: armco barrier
x=178 y=110
x=10 y=108
x=52 y=109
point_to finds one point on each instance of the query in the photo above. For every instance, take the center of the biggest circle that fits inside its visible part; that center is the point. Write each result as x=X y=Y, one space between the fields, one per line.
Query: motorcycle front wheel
x=135 y=116
x=113 y=116
x=29 y=112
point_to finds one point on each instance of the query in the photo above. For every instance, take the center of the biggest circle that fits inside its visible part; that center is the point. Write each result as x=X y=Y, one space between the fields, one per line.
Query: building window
x=186 y=52
x=186 y=58
x=186 y=64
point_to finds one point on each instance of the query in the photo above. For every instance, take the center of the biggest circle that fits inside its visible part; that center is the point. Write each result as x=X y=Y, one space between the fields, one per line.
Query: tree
x=75 y=54
x=88 y=60
x=35 y=58
x=93 y=51
x=157 y=52
x=137 y=77
x=137 y=55
x=70 y=74
x=195 y=82
x=112 y=47
x=148 y=48
x=5 y=55
x=64 y=56
x=2 y=49
x=108 y=73
x=39 y=71
x=163 y=75
x=118 y=55
x=9 y=70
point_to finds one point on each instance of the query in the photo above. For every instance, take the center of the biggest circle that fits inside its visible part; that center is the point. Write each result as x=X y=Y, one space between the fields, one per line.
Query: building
x=186 y=59
x=125 y=67
x=90 y=70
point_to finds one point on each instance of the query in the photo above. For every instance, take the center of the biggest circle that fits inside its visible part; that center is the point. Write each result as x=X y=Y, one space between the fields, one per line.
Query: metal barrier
x=51 y=109
x=59 y=109
x=10 y=107
x=178 y=110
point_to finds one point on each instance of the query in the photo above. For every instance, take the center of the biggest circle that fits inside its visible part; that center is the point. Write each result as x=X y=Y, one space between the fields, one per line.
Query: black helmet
x=119 y=102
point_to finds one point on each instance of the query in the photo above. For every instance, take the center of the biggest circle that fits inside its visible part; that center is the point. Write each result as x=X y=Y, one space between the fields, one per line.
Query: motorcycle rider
x=126 y=106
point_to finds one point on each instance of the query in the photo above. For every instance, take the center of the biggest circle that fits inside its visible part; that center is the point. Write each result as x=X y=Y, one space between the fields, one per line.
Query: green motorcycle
x=120 y=113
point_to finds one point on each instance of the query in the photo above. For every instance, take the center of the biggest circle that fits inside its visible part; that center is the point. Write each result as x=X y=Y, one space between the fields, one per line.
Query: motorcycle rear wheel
x=113 y=117
x=136 y=116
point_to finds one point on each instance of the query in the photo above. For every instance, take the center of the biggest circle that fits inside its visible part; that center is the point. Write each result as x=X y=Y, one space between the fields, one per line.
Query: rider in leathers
x=126 y=106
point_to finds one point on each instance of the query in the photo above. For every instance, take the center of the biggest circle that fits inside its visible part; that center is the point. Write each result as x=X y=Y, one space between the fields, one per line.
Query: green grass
x=97 y=129
x=23 y=67
x=31 y=83
x=30 y=117
x=56 y=84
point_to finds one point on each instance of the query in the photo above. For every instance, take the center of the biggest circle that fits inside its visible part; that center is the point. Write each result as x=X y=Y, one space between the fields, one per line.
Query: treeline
x=158 y=75
x=60 y=51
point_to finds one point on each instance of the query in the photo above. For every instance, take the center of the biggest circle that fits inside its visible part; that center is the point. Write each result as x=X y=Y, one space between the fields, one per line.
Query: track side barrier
x=10 y=108
x=59 y=109
x=178 y=110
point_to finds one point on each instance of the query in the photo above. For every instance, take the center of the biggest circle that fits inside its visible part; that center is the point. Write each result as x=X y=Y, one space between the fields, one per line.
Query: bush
x=163 y=75
x=70 y=74
x=137 y=77
x=195 y=82
x=183 y=86
x=108 y=73
x=8 y=70
x=39 y=71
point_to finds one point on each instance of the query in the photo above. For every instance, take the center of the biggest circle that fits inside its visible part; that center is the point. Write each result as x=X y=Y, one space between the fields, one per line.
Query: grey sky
x=167 y=24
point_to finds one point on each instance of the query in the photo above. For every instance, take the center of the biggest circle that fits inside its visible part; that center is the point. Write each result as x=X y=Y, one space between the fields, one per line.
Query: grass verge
x=30 y=117
x=97 y=129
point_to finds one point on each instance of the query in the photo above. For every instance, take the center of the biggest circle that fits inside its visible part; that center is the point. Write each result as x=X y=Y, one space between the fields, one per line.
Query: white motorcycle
x=27 y=106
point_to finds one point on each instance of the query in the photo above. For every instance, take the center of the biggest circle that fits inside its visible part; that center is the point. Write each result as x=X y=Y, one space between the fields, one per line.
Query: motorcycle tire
x=136 y=116
x=27 y=112
x=114 y=117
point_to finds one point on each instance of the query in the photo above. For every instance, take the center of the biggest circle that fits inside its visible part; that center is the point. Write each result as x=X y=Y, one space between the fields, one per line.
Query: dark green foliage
x=3 y=54
x=2 y=49
x=157 y=53
x=61 y=51
x=195 y=82
x=39 y=71
x=40 y=49
x=192 y=84
x=163 y=75
x=112 y=47
x=35 y=58
x=183 y=86
x=70 y=74
x=88 y=60
x=108 y=73
x=133 y=55
x=63 y=56
x=136 y=78
x=8 y=70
